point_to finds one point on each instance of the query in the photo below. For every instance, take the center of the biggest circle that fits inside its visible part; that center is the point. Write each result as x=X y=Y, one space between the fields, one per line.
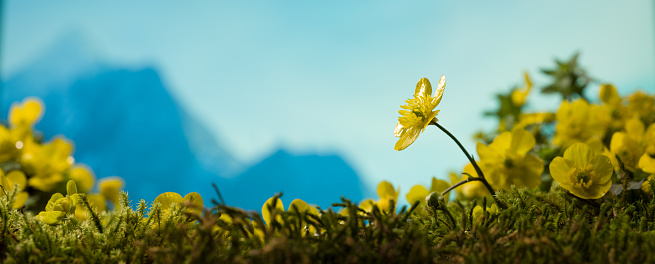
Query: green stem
x=472 y=160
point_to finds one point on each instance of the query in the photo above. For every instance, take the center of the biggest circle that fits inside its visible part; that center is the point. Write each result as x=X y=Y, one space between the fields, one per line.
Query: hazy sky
x=329 y=76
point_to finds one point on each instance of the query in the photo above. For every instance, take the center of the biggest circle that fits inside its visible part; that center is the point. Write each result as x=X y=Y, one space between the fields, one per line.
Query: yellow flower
x=418 y=192
x=9 y=180
x=418 y=112
x=296 y=204
x=647 y=160
x=645 y=187
x=534 y=119
x=506 y=161
x=25 y=114
x=47 y=162
x=519 y=95
x=387 y=195
x=641 y=104
x=614 y=105
x=582 y=172
x=10 y=144
x=478 y=212
x=95 y=200
x=627 y=145
x=579 y=121
x=110 y=188
x=168 y=199
x=59 y=206
x=83 y=177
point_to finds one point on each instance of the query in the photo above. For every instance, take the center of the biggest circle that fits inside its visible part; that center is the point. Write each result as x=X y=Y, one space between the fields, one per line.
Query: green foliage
x=537 y=227
x=568 y=79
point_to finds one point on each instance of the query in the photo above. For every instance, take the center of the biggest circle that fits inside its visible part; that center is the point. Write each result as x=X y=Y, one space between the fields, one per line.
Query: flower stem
x=469 y=179
x=475 y=165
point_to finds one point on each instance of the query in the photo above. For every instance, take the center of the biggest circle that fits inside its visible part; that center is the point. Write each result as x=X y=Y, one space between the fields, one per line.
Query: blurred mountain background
x=125 y=122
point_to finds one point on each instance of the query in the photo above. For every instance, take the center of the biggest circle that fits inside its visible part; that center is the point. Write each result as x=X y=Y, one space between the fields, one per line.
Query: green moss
x=542 y=227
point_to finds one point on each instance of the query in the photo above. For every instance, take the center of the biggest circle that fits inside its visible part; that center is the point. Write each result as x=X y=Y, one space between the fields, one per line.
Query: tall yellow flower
x=418 y=112
x=579 y=121
x=506 y=161
x=582 y=172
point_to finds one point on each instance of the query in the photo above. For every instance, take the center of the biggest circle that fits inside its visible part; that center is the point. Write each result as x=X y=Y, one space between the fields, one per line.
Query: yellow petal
x=110 y=188
x=647 y=163
x=603 y=168
x=559 y=169
x=533 y=167
x=27 y=113
x=398 y=131
x=608 y=94
x=385 y=189
x=366 y=205
x=407 y=138
x=488 y=154
x=21 y=197
x=16 y=177
x=522 y=141
x=438 y=94
x=266 y=213
x=53 y=199
x=50 y=218
x=423 y=88
x=635 y=129
x=579 y=153
x=83 y=177
x=167 y=199
x=196 y=200
x=502 y=142
x=416 y=193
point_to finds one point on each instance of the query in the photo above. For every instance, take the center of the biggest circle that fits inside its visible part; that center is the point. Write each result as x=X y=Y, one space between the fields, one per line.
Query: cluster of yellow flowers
x=35 y=169
x=591 y=143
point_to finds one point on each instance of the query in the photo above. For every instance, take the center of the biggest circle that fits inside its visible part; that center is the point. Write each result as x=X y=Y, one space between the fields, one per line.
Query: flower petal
x=488 y=154
x=266 y=212
x=647 y=163
x=407 y=139
x=603 y=168
x=502 y=142
x=398 y=131
x=416 y=193
x=439 y=92
x=423 y=88
x=167 y=199
x=559 y=169
x=522 y=141
x=579 y=153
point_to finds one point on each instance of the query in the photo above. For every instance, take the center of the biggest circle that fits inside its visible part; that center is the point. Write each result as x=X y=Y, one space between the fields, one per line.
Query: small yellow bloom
x=83 y=177
x=641 y=104
x=418 y=113
x=296 y=204
x=506 y=161
x=110 y=188
x=27 y=113
x=48 y=162
x=519 y=95
x=266 y=212
x=614 y=105
x=418 y=192
x=647 y=159
x=168 y=199
x=9 y=180
x=478 y=212
x=627 y=145
x=579 y=121
x=59 y=206
x=582 y=172
x=387 y=195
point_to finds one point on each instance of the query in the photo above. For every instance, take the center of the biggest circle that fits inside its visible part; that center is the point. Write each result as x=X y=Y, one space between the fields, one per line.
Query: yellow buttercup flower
x=168 y=199
x=387 y=195
x=8 y=182
x=418 y=192
x=506 y=161
x=582 y=172
x=296 y=204
x=27 y=113
x=418 y=113
x=83 y=177
x=579 y=121
x=59 y=206
x=641 y=104
x=518 y=95
x=110 y=188
x=48 y=162
x=647 y=159
x=627 y=145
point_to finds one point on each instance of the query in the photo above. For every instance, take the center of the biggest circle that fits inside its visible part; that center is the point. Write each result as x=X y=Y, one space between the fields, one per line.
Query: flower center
x=509 y=163
x=417 y=111
x=582 y=179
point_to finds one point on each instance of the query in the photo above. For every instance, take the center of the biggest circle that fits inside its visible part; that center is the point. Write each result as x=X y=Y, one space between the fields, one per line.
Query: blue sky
x=328 y=77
